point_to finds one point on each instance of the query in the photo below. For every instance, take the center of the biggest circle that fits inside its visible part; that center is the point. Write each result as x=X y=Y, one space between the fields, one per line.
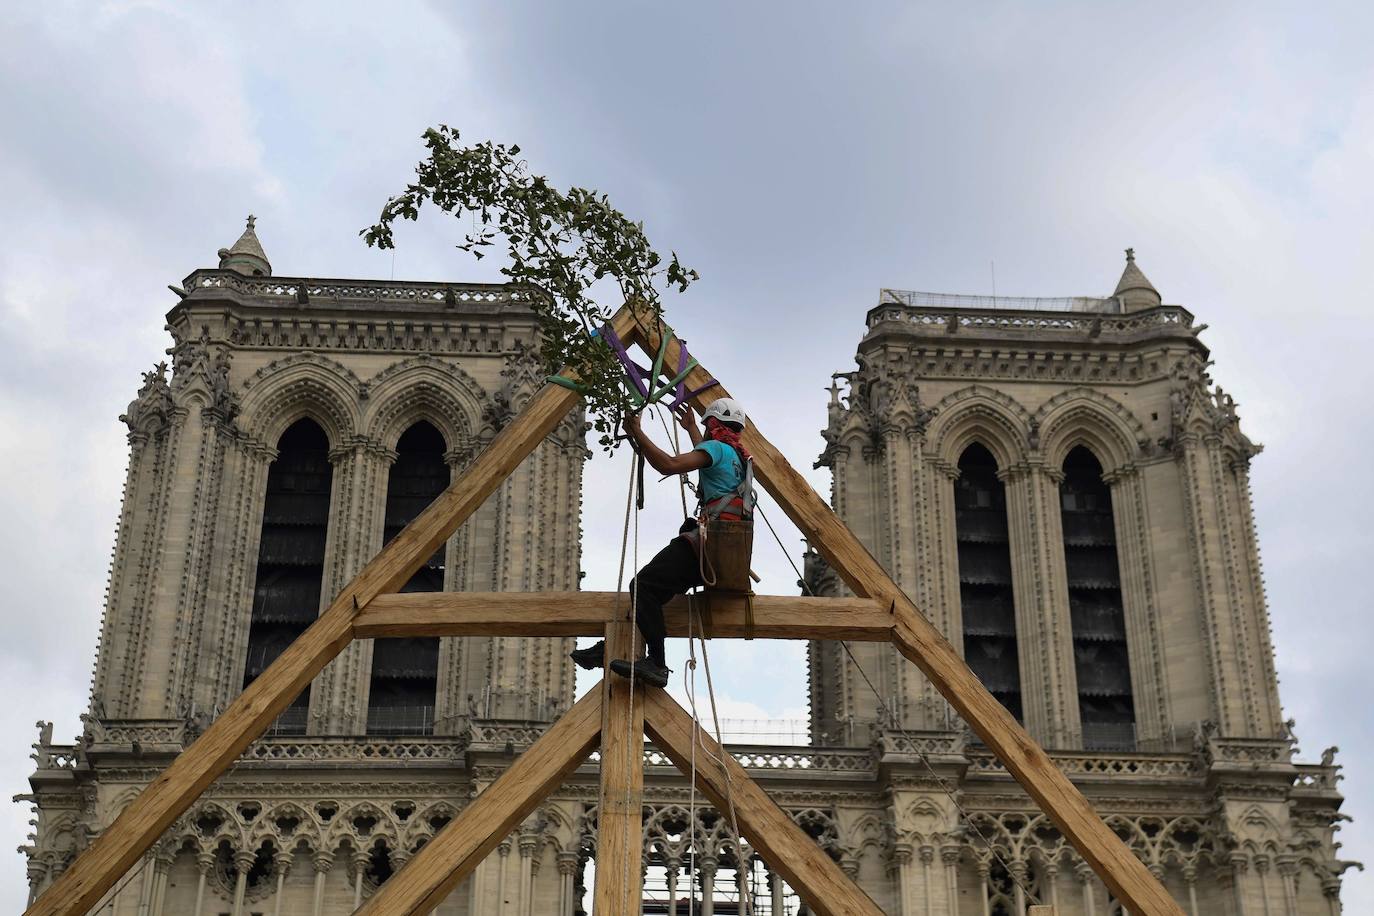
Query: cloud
x=799 y=162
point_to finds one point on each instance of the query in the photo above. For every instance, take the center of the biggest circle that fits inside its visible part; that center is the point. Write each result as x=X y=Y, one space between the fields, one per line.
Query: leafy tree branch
x=558 y=245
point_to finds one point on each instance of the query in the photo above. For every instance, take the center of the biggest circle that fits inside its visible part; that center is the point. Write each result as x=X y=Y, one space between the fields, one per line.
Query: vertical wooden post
x=619 y=821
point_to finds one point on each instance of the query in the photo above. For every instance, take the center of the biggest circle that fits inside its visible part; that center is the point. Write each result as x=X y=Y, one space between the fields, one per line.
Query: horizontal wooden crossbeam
x=587 y=613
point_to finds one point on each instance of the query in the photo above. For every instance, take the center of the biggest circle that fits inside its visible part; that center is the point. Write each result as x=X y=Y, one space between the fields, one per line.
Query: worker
x=723 y=488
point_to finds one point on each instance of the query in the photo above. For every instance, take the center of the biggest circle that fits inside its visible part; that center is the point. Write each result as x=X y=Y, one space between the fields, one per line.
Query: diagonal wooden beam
x=827 y=890
x=587 y=613
x=919 y=640
x=175 y=788
x=445 y=861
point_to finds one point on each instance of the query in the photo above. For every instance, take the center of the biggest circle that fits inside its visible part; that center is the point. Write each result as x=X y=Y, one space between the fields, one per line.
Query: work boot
x=590 y=658
x=646 y=671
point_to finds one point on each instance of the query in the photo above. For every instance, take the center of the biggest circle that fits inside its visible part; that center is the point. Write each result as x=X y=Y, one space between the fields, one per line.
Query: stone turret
x=246 y=256
x=1135 y=289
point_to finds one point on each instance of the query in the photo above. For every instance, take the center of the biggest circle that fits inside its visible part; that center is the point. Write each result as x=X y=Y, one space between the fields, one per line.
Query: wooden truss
x=608 y=716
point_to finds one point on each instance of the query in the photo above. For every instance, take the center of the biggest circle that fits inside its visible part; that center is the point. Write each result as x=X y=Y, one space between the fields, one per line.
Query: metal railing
x=918 y=299
x=400 y=720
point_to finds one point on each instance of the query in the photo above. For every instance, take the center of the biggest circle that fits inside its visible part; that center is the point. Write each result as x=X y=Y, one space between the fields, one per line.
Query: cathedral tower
x=301 y=424
x=1061 y=488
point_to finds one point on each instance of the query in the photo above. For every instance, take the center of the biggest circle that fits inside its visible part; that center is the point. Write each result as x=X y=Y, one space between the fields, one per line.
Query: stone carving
x=147 y=413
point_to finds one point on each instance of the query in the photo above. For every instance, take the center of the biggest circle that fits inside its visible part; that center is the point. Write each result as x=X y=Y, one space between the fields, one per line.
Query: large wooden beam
x=922 y=643
x=587 y=613
x=619 y=816
x=827 y=890
x=445 y=861
x=173 y=791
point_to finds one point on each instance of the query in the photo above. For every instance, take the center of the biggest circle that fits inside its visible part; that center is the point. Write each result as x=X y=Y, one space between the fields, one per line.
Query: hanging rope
x=887 y=713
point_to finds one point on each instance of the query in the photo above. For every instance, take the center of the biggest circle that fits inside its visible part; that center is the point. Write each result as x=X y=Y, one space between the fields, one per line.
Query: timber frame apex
x=614 y=715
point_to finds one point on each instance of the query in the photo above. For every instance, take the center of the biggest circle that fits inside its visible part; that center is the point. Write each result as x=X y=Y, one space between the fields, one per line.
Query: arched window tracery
x=985 y=584
x=295 y=523
x=1106 y=707
x=405 y=672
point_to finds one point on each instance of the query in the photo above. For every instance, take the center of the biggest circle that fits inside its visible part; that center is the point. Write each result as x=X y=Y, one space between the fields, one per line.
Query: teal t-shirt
x=723 y=474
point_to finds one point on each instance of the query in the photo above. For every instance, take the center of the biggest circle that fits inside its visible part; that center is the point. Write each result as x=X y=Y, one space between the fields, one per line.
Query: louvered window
x=405 y=672
x=980 y=508
x=286 y=590
x=1105 y=704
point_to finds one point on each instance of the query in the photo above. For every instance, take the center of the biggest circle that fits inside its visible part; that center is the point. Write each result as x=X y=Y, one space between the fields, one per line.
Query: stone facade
x=1196 y=771
x=329 y=803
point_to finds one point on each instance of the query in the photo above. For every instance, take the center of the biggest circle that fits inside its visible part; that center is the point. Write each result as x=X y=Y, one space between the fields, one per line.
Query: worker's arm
x=660 y=460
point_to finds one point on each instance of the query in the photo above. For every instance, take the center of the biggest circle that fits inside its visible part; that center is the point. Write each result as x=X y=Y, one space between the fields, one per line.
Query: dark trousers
x=672 y=571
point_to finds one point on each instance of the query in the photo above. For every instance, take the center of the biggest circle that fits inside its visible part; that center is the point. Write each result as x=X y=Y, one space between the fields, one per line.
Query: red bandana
x=722 y=433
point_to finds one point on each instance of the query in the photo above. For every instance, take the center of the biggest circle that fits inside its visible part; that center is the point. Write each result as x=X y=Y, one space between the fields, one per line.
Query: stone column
x=37 y=872
x=359 y=866
x=706 y=868
x=1262 y=872
x=777 y=893
x=503 y=851
x=1331 y=887
x=357 y=503
x=1084 y=872
x=567 y=868
x=145 y=894
x=204 y=863
x=282 y=864
x=927 y=857
x=1044 y=631
x=1017 y=870
x=949 y=855
x=163 y=863
x=983 y=887
x=670 y=867
x=1190 y=879
x=1052 y=879
x=901 y=864
x=243 y=861
x=529 y=842
x=1144 y=639
x=1288 y=872
x=323 y=862
x=1238 y=866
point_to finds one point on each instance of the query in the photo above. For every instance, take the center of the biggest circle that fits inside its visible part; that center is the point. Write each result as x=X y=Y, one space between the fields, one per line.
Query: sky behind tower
x=800 y=156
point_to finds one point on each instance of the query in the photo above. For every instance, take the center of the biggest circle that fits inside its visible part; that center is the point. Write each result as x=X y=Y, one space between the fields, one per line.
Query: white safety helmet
x=726 y=410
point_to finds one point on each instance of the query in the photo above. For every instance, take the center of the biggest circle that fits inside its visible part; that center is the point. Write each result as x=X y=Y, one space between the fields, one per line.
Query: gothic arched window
x=980 y=521
x=1105 y=705
x=286 y=590
x=405 y=672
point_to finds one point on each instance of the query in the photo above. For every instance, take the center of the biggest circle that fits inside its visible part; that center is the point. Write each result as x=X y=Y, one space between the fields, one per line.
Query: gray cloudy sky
x=800 y=156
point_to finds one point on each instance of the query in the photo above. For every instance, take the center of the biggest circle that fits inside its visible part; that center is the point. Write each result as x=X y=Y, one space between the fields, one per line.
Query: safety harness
x=738 y=504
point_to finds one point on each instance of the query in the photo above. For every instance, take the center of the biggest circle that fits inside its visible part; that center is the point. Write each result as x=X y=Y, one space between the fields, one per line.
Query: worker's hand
x=687 y=420
x=631 y=424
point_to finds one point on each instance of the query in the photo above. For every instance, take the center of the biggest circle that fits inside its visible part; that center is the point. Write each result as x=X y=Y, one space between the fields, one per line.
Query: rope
x=890 y=716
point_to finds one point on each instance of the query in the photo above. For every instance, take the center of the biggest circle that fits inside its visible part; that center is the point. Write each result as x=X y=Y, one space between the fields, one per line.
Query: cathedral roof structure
x=246 y=255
